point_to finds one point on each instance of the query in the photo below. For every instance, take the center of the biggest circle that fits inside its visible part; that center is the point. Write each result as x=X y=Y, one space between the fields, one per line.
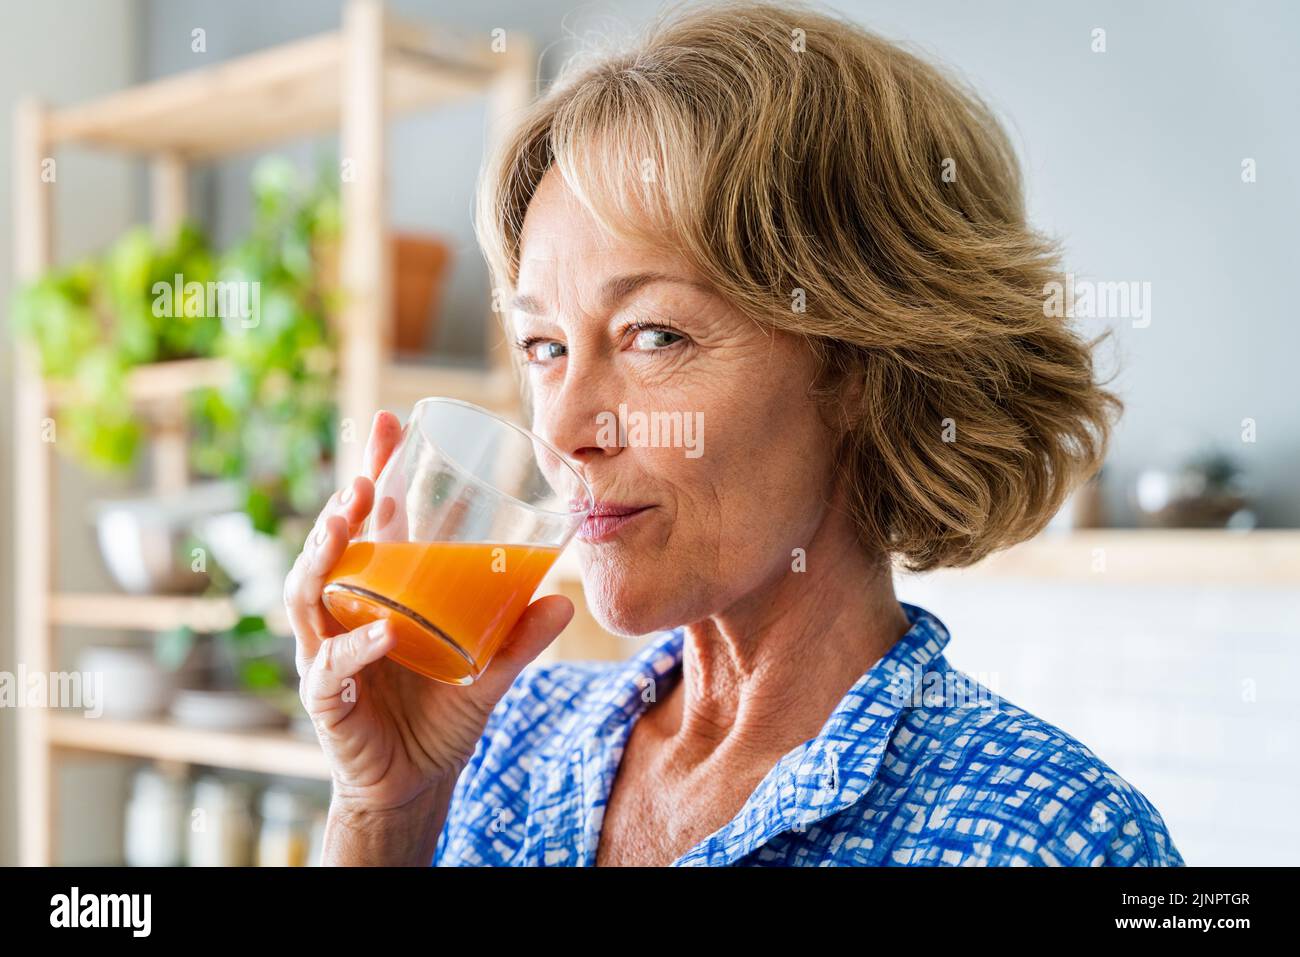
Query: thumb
x=540 y=624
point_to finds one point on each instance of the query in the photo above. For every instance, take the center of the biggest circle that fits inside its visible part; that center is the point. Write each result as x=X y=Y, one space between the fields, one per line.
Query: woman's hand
x=395 y=741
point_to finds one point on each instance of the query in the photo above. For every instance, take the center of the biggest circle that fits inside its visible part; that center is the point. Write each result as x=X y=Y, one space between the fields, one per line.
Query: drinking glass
x=470 y=512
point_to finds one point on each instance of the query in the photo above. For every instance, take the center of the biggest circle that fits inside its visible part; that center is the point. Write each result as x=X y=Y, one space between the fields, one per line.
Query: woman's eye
x=540 y=350
x=654 y=339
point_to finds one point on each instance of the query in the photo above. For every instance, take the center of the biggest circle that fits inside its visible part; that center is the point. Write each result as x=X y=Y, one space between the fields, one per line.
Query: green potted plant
x=94 y=321
x=270 y=430
x=273 y=426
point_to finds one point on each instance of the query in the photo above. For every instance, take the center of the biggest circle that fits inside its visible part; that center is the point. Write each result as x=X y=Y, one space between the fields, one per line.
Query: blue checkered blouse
x=917 y=765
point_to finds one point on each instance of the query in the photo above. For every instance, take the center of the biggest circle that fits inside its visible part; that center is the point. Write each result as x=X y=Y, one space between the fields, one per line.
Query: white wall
x=1131 y=156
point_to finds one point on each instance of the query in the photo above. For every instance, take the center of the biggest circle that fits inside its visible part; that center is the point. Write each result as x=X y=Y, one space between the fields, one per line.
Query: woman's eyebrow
x=613 y=291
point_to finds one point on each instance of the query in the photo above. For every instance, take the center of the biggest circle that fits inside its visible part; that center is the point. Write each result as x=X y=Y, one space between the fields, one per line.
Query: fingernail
x=322 y=535
x=377 y=630
x=348 y=495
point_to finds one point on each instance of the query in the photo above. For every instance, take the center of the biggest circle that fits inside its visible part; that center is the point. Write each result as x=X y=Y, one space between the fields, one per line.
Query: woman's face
x=748 y=481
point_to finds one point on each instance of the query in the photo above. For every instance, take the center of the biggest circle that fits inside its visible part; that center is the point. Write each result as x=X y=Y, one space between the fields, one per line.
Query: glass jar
x=285 y=835
x=155 y=819
x=221 y=824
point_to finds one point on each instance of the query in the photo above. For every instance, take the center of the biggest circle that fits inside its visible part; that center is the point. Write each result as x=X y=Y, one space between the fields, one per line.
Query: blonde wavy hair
x=829 y=184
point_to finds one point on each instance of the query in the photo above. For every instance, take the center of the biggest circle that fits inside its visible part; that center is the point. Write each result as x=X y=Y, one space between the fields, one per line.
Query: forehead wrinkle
x=614 y=290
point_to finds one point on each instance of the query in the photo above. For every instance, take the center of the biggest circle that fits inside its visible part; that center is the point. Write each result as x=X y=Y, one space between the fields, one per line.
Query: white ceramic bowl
x=132 y=683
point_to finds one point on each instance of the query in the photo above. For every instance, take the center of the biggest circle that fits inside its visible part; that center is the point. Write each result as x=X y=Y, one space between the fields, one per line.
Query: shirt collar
x=813 y=780
x=885 y=687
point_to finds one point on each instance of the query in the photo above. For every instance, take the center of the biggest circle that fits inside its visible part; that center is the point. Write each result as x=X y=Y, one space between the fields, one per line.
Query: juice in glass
x=450 y=604
x=470 y=512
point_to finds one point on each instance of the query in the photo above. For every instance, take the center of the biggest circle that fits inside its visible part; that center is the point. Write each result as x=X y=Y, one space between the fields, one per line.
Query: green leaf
x=261 y=509
x=258 y=674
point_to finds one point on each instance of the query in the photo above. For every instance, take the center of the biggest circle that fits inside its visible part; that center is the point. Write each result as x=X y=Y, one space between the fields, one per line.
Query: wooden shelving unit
x=351 y=80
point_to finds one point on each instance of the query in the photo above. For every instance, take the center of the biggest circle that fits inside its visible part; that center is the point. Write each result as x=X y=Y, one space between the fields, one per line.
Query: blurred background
x=160 y=471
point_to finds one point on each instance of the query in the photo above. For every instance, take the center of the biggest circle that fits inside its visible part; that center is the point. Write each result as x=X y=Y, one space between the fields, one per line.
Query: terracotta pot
x=420 y=264
x=419 y=269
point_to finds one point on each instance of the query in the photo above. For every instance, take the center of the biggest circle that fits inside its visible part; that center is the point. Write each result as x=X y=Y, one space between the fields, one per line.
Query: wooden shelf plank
x=266 y=752
x=160 y=381
x=275 y=95
x=153 y=612
x=1151 y=556
x=1119 y=556
x=404 y=383
x=142 y=612
x=453 y=51
x=157 y=381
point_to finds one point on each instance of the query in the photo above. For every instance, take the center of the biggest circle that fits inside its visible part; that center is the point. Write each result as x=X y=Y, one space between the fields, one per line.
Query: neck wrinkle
x=765 y=675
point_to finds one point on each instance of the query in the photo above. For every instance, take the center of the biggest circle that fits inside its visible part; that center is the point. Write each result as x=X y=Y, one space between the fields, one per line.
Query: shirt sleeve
x=465 y=782
x=1142 y=840
x=1121 y=829
x=458 y=793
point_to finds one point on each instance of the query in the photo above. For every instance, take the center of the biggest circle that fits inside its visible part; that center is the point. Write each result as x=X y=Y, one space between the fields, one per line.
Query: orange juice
x=450 y=604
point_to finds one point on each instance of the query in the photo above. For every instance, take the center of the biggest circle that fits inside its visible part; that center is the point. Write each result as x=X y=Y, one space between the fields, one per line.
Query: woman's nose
x=572 y=420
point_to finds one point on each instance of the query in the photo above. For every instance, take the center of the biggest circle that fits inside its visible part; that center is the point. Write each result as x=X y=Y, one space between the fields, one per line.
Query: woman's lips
x=606 y=521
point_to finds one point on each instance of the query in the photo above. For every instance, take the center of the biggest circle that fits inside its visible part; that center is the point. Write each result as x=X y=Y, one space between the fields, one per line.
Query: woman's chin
x=625 y=602
x=621 y=614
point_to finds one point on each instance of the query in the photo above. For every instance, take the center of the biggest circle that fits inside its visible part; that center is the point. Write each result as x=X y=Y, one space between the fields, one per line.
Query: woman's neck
x=767 y=673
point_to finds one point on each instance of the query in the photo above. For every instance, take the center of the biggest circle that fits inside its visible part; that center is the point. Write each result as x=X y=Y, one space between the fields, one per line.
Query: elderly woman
x=815 y=244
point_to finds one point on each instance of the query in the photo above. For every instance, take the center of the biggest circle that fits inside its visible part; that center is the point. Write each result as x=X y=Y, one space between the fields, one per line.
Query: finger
x=387 y=525
x=341 y=658
x=302 y=588
x=310 y=619
x=302 y=594
x=540 y=624
x=353 y=502
x=306 y=641
x=385 y=433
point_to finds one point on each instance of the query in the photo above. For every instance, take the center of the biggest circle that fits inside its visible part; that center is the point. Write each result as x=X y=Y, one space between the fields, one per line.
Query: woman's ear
x=853 y=392
x=838 y=386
